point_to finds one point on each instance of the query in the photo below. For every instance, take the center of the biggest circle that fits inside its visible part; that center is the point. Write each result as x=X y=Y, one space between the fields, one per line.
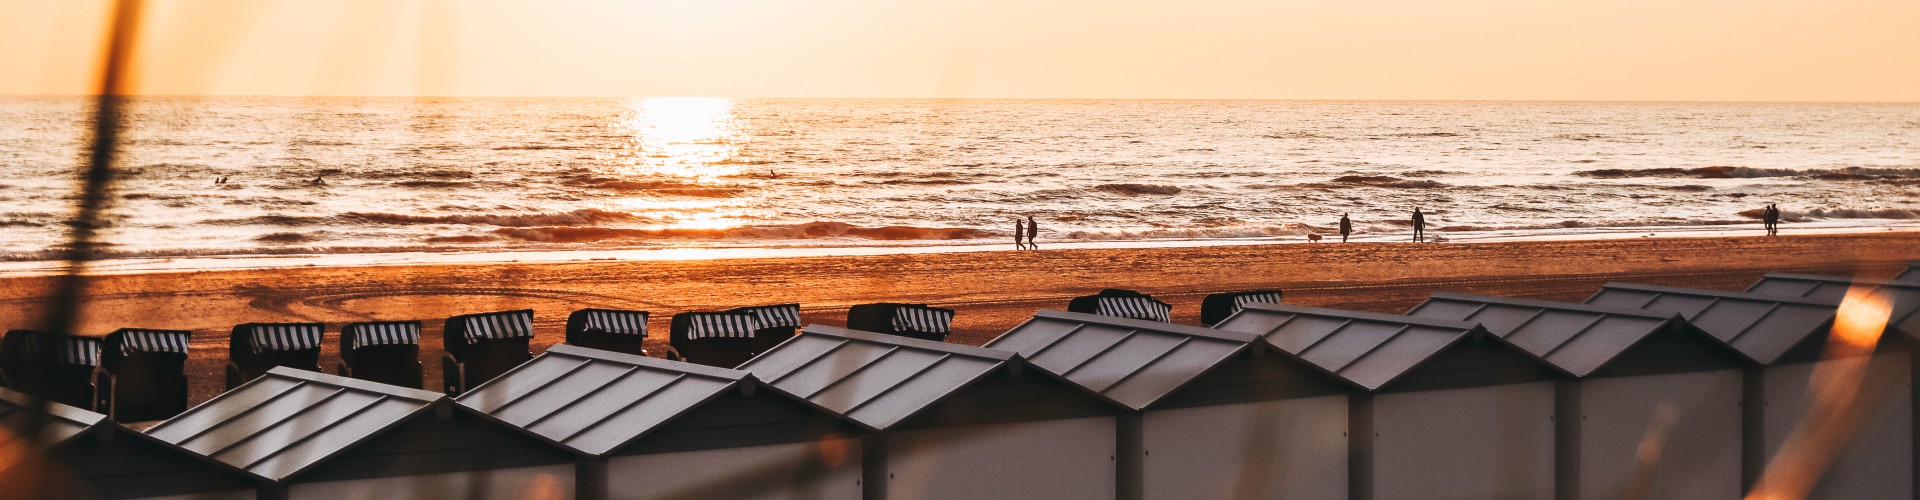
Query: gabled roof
x=58 y=423
x=1369 y=350
x=289 y=420
x=1904 y=294
x=1130 y=362
x=1911 y=274
x=876 y=380
x=1578 y=338
x=595 y=402
x=1762 y=327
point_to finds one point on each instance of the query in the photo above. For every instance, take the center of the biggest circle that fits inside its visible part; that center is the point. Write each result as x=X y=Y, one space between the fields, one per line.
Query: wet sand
x=992 y=291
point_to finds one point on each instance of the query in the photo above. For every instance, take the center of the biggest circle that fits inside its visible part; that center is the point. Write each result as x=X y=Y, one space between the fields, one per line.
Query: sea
x=205 y=180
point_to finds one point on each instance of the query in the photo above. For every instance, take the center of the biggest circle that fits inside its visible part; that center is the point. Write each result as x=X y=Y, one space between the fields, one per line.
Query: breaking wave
x=1726 y=172
x=1138 y=189
x=811 y=230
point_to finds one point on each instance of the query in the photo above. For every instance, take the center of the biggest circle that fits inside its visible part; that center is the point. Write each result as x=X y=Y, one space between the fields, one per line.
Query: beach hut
x=53 y=366
x=482 y=346
x=145 y=374
x=387 y=352
x=310 y=435
x=1648 y=380
x=1904 y=295
x=1787 y=335
x=1122 y=303
x=908 y=320
x=608 y=330
x=1451 y=411
x=254 y=348
x=649 y=428
x=1211 y=414
x=950 y=421
x=1216 y=307
x=1911 y=274
x=59 y=451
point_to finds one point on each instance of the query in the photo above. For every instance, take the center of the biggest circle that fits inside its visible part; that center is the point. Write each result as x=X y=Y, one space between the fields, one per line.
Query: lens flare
x=1839 y=403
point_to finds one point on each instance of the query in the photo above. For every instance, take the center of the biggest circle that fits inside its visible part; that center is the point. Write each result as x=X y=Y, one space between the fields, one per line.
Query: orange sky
x=1802 y=50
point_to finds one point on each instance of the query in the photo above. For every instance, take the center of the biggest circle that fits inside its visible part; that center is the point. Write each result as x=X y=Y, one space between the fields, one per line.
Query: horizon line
x=1275 y=99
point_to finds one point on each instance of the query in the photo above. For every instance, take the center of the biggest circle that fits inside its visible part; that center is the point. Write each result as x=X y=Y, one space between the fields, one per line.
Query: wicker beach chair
x=723 y=339
x=144 y=374
x=608 y=330
x=1217 y=307
x=907 y=320
x=483 y=346
x=58 y=368
x=254 y=348
x=1123 y=304
x=387 y=352
x=778 y=322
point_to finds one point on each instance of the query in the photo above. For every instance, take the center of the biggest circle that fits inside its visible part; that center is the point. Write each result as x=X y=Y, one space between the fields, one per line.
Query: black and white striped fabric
x=383 y=333
x=923 y=320
x=725 y=325
x=70 y=350
x=1135 y=308
x=285 y=337
x=134 y=340
x=775 y=315
x=500 y=325
x=1241 y=301
x=620 y=322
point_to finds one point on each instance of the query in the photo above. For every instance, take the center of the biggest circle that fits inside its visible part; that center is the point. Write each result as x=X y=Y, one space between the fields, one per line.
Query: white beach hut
x=651 y=428
x=948 y=420
x=1452 y=410
x=1648 y=381
x=1211 y=414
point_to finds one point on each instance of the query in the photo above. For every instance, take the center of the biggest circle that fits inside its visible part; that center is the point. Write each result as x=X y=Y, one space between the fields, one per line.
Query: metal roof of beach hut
x=673 y=429
x=1373 y=350
x=1904 y=294
x=1131 y=362
x=56 y=425
x=876 y=380
x=96 y=457
x=1583 y=338
x=1911 y=273
x=1762 y=327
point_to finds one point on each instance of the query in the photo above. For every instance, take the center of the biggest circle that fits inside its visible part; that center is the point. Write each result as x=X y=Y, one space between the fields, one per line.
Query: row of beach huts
x=1639 y=392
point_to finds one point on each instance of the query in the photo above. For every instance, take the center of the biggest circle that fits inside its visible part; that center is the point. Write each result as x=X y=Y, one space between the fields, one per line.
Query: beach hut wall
x=82 y=454
x=56 y=367
x=1641 y=371
x=950 y=421
x=482 y=346
x=1212 y=416
x=608 y=329
x=1217 y=307
x=1788 y=335
x=387 y=352
x=650 y=428
x=908 y=320
x=145 y=374
x=254 y=348
x=1451 y=411
x=309 y=435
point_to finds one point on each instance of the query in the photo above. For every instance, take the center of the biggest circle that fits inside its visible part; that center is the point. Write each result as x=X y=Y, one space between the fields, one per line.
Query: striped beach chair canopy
x=776 y=315
x=286 y=336
x=1135 y=308
x=1241 y=301
x=617 y=322
x=382 y=333
x=923 y=320
x=65 y=349
x=134 y=340
x=722 y=325
x=499 y=325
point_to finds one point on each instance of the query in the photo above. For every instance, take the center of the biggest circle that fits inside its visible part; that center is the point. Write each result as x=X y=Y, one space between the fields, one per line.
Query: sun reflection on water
x=692 y=143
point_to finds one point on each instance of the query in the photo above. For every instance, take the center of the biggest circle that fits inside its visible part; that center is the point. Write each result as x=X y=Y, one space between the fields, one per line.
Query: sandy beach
x=991 y=291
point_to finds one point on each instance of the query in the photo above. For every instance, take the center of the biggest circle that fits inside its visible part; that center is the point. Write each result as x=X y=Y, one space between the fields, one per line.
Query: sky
x=1633 y=50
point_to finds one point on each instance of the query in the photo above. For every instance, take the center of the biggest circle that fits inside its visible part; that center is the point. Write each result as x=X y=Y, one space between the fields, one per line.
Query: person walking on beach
x=1033 y=231
x=1419 y=225
x=1019 y=231
x=1346 y=228
x=1772 y=219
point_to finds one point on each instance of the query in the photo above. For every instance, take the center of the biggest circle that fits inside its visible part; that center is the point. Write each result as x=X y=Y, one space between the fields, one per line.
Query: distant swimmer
x=221 y=180
x=1419 y=225
x=1033 y=231
x=1346 y=227
x=318 y=180
x=1019 y=231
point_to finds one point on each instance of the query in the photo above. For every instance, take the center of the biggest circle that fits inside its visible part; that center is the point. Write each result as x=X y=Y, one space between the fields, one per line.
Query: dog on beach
x=1313 y=238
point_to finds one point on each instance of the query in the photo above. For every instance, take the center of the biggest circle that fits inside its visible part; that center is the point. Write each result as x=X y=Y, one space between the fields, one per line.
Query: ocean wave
x=1838 y=213
x=1383 y=181
x=581 y=217
x=1131 y=189
x=1294 y=229
x=284 y=238
x=811 y=230
x=1728 y=172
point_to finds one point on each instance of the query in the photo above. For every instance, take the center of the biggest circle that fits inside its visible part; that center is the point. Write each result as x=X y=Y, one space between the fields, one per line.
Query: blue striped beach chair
x=58 y=368
x=608 y=330
x=907 y=320
x=254 y=348
x=1122 y=304
x=387 y=352
x=1217 y=307
x=724 y=339
x=144 y=374
x=778 y=322
x=483 y=346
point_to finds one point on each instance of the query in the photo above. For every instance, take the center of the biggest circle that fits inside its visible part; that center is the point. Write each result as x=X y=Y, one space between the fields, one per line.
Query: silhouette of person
x=1019 y=231
x=1033 y=231
x=1346 y=227
x=1419 y=225
x=1773 y=219
x=318 y=180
